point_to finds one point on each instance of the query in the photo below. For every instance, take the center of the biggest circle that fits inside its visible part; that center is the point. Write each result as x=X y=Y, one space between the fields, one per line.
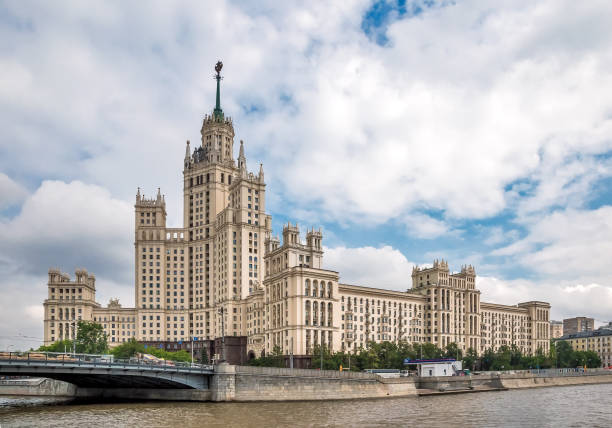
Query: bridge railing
x=100 y=360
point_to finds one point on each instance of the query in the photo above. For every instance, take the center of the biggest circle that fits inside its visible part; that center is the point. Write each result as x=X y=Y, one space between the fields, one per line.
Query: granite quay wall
x=245 y=383
x=559 y=377
x=41 y=387
x=481 y=382
x=277 y=384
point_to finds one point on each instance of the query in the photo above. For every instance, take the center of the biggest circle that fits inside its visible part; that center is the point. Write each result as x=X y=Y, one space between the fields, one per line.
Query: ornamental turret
x=242 y=165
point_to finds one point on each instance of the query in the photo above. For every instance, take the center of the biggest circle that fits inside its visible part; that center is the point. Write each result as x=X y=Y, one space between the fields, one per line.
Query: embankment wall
x=460 y=383
x=272 y=384
x=37 y=387
x=535 y=380
x=242 y=383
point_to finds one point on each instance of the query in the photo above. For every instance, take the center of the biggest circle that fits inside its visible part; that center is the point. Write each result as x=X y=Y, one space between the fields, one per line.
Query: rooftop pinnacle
x=218 y=113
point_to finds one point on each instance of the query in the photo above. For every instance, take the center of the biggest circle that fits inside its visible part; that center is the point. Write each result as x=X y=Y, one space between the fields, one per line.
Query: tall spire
x=218 y=113
x=242 y=161
x=241 y=154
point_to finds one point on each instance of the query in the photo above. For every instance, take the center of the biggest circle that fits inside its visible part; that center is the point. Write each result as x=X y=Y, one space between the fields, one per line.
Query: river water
x=571 y=406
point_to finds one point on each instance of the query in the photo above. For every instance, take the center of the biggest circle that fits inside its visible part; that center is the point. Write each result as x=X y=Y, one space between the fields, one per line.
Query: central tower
x=225 y=226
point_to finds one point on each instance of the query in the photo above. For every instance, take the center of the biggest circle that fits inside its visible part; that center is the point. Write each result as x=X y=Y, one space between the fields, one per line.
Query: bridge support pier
x=223 y=385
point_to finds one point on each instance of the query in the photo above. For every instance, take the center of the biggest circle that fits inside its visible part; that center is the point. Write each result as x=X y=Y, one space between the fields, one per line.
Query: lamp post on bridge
x=192 y=339
x=291 y=355
x=221 y=311
x=73 y=324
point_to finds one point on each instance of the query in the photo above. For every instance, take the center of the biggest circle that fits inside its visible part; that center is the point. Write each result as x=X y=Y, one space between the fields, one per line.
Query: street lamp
x=73 y=324
x=321 y=339
x=221 y=311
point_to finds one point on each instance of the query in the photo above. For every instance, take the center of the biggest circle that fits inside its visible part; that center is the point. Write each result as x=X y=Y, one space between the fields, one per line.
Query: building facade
x=224 y=274
x=71 y=301
x=599 y=341
x=577 y=325
x=556 y=329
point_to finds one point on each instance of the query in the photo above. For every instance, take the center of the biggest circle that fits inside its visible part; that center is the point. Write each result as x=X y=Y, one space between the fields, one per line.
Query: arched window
x=329 y=314
x=322 y=313
x=315 y=310
x=307 y=288
x=329 y=290
x=322 y=292
x=307 y=313
x=315 y=285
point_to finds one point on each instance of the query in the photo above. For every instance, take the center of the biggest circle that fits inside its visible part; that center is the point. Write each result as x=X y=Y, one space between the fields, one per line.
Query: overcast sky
x=479 y=132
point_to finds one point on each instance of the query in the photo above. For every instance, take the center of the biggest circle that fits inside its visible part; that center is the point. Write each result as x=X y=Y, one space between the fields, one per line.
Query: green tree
x=470 y=359
x=516 y=357
x=59 y=346
x=275 y=359
x=182 y=355
x=487 y=359
x=452 y=351
x=565 y=354
x=91 y=338
x=128 y=349
x=431 y=351
x=204 y=356
x=329 y=362
x=592 y=359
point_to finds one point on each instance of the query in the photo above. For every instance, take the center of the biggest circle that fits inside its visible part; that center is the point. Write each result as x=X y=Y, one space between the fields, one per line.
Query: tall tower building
x=223 y=274
x=188 y=278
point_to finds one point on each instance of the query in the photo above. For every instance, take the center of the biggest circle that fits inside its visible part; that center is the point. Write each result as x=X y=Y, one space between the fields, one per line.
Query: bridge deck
x=98 y=371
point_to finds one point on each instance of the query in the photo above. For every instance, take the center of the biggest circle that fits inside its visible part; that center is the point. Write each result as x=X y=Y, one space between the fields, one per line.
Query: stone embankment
x=272 y=384
x=37 y=387
x=560 y=377
x=243 y=383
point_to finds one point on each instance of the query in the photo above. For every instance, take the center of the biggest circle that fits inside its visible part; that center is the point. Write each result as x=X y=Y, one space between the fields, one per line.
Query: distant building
x=599 y=340
x=578 y=324
x=556 y=329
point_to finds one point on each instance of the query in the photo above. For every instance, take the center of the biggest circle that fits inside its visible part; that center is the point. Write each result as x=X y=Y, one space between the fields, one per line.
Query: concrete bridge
x=101 y=376
x=98 y=377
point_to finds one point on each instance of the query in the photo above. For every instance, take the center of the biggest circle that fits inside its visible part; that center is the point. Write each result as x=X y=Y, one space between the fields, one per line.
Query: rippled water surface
x=574 y=406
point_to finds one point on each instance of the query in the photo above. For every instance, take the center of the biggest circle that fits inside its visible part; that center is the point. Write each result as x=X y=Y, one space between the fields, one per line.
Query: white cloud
x=425 y=227
x=11 y=193
x=570 y=244
x=65 y=225
x=464 y=100
x=567 y=298
x=70 y=225
x=383 y=267
x=496 y=235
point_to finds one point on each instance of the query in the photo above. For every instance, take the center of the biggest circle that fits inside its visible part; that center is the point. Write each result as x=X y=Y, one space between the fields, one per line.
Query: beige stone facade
x=71 y=301
x=556 y=329
x=599 y=341
x=223 y=273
